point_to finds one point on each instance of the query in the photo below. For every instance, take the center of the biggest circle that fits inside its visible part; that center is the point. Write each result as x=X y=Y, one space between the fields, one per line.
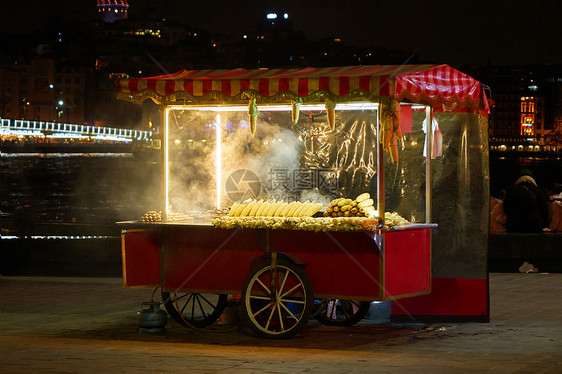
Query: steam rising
x=282 y=161
x=192 y=155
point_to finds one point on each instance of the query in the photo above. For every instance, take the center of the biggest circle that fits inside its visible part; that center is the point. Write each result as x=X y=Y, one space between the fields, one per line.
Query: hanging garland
x=390 y=128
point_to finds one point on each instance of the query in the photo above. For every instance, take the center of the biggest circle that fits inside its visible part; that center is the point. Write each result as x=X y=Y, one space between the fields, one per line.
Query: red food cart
x=285 y=276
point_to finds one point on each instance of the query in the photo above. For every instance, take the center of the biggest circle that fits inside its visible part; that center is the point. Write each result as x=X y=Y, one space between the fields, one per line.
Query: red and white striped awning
x=438 y=85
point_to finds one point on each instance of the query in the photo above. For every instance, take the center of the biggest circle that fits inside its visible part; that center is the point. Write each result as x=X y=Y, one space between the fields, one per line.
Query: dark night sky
x=443 y=31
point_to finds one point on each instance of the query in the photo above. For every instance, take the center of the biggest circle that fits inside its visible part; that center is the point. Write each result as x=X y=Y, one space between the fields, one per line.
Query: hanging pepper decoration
x=385 y=126
x=396 y=120
x=253 y=112
x=296 y=109
x=394 y=149
x=331 y=111
x=390 y=128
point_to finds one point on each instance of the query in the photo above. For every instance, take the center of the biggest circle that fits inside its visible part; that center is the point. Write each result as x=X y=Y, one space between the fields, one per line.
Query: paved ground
x=89 y=325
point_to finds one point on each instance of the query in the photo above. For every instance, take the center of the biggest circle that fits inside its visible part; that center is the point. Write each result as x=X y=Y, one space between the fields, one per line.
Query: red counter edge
x=451 y=300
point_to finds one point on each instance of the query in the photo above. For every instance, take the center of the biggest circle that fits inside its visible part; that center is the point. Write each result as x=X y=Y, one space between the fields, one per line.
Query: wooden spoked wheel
x=277 y=299
x=194 y=309
x=336 y=312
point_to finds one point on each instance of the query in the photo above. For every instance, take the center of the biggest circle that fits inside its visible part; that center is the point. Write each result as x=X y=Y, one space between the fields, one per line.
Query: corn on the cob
x=312 y=210
x=255 y=208
x=297 y=212
x=293 y=208
x=247 y=209
x=279 y=209
x=365 y=203
x=263 y=207
x=363 y=197
x=233 y=208
x=239 y=209
x=274 y=207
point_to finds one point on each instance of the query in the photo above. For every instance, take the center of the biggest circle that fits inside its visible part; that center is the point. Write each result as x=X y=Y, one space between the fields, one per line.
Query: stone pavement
x=89 y=325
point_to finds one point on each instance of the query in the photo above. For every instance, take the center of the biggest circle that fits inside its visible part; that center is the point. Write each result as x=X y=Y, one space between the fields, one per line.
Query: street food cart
x=280 y=137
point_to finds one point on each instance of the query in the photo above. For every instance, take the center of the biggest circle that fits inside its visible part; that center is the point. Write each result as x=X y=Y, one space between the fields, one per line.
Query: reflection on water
x=57 y=237
x=92 y=188
x=99 y=188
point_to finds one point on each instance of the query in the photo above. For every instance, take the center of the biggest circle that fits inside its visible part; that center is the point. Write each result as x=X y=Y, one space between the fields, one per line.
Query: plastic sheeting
x=460 y=181
x=461 y=198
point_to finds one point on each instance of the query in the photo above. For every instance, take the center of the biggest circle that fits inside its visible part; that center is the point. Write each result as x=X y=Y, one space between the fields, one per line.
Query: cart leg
x=277 y=298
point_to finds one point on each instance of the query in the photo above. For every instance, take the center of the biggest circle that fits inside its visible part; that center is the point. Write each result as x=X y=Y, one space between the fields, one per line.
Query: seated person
x=526 y=205
x=497 y=214
x=555 y=208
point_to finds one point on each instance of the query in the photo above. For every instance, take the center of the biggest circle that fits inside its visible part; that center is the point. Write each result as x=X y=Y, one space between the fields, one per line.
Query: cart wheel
x=194 y=309
x=335 y=312
x=277 y=299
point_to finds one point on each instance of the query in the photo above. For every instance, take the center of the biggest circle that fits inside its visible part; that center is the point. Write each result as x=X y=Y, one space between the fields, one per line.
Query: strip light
x=166 y=162
x=219 y=160
x=276 y=108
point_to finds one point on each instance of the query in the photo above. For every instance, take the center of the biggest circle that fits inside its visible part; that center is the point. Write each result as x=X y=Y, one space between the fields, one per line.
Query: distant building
x=26 y=90
x=70 y=94
x=113 y=10
x=532 y=117
x=10 y=82
x=42 y=91
x=527 y=107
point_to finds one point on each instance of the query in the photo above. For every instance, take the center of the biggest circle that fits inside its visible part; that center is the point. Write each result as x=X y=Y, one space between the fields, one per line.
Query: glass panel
x=306 y=161
x=405 y=180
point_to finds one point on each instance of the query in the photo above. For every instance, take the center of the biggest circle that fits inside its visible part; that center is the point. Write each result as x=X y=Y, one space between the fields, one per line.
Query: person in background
x=555 y=208
x=497 y=214
x=525 y=205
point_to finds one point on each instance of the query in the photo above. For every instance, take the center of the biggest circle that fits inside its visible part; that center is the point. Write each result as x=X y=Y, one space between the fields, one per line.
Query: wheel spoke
x=336 y=312
x=280 y=317
x=214 y=306
x=345 y=309
x=188 y=295
x=270 y=316
x=323 y=305
x=186 y=302
x=286 y=290
x=262 y=309
x=291 y=290
x=282 y=286
x=263 y=286
x=194 y=309
x=292 y=301
x=201 y=307
x=288 y=311
x=331 y=311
